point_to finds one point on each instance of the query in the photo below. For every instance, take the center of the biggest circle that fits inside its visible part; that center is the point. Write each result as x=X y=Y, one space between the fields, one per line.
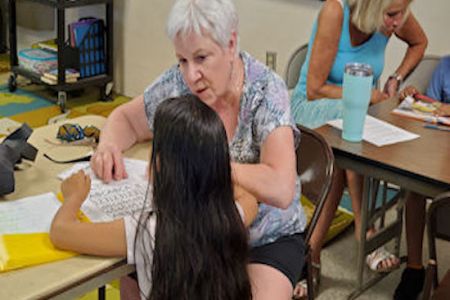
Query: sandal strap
x=377 y=256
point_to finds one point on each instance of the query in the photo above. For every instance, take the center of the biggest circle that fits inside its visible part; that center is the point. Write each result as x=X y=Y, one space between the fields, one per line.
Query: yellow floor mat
x=342 y=219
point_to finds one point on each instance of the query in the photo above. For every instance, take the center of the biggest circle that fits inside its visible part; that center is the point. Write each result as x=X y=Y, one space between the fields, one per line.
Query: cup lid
x=358 y=69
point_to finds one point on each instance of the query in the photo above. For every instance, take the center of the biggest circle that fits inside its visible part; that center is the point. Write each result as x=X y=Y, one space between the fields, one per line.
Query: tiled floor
x=339 y=269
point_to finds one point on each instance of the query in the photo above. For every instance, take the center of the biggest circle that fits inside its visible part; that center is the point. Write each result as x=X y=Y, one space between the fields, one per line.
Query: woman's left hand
x=76 y=187
x=391 y=87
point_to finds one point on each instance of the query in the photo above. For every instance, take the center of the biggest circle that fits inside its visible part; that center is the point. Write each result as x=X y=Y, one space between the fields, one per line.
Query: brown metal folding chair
x=294 y=65
x=315 y=162
x=438 y=227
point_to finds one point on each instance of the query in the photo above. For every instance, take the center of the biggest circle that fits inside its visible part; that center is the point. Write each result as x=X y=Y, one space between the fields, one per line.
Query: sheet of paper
x=109 y=201
x=380 y=133
x=28 y=215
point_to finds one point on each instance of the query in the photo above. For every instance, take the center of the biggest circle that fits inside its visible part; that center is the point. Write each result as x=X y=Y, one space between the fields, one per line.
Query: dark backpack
x=13 y=148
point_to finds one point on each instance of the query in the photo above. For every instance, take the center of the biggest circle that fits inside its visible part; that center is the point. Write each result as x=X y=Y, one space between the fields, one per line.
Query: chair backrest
x=438 y=227
x=315 y=162
x=421 y=75
x=294 y=65
x=438 y=220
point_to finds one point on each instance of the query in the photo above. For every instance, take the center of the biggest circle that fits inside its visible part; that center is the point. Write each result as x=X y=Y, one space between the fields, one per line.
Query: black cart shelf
x=103 y=81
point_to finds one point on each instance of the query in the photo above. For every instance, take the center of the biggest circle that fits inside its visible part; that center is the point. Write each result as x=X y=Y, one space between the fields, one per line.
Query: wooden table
x=70 y=278
x=421 y=165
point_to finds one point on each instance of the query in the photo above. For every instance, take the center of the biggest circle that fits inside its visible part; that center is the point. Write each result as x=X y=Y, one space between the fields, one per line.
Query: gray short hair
x=216 y=17
x=367 y=15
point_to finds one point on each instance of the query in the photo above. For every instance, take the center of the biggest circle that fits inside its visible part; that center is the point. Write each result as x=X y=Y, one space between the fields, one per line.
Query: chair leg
x=400 y=208
x=309 y=275
x=429 y=284
x=373 y=203
x=364 y=226
x=101 y=293
x=384 y=198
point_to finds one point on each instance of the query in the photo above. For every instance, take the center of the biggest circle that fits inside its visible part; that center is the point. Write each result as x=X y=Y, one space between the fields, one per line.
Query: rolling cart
x=68 y=57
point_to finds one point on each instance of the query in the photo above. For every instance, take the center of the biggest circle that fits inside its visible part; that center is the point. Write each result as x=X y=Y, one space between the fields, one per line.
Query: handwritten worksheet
x=380 y=133
x=28 y=215
x=110 y=201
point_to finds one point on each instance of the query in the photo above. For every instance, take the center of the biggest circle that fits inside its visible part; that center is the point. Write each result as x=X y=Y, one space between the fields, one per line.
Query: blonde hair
x=367 y=15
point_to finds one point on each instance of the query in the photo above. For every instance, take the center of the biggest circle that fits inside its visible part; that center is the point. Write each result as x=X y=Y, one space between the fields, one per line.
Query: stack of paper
x=421 y=110
x=24 y=227
x=49 y=45
x=380 y=133
x=51 y=77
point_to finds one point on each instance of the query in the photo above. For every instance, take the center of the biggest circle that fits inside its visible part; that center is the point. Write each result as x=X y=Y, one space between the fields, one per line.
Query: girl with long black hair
x=192 y=244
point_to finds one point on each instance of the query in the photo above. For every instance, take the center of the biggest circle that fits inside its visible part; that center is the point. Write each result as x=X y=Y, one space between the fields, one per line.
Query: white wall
x=142 y=50
x=265 y=25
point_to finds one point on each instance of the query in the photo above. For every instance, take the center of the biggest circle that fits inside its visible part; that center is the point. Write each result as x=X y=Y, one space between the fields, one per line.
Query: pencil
x=433 y=126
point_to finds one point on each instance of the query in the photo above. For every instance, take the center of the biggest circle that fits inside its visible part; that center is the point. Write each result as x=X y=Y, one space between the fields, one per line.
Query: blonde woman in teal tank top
x=315 y=113
x=351 y=31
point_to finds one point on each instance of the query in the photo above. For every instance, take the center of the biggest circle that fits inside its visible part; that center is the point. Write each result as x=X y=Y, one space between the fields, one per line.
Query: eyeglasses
x=74 y=132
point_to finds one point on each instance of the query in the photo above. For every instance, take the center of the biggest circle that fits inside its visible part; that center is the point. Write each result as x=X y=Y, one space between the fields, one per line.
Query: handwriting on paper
x=109 y=201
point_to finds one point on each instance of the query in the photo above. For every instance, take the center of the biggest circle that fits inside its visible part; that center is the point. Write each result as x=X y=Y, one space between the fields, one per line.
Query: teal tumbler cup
x=357 y=88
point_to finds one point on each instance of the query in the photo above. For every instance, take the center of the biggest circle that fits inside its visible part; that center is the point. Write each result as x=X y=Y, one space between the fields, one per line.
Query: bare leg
x=269 y=283
x=355 y=189
x=415 y=225
x=355 y=184
x=413 y=276
x=327 y=214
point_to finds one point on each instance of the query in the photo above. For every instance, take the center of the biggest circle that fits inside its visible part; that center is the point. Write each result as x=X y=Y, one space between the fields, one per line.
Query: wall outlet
x=271 y=60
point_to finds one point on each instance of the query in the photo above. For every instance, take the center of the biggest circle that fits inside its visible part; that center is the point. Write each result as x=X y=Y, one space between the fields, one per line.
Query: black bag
x=13 y=148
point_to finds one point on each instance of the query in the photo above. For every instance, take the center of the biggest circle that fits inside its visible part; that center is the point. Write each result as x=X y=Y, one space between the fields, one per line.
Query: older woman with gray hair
x=253 y=104
x=352 y=31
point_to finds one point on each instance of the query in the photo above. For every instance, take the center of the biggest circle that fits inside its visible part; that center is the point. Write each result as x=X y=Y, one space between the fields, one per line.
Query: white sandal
x=303 y=285
x=300 y=286
x=374 y=259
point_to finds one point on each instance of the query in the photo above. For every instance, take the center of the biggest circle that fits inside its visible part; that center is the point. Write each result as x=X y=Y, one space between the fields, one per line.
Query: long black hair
x=201 y=249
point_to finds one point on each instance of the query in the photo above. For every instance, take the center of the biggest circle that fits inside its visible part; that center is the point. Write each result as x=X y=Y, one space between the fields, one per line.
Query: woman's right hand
x=378 y=96
x=107 y=162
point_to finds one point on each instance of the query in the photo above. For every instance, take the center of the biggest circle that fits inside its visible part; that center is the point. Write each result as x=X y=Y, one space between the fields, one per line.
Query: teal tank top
x=371 y=52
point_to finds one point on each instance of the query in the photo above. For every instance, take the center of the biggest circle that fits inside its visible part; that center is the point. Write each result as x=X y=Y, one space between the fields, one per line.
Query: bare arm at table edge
x=68 y=233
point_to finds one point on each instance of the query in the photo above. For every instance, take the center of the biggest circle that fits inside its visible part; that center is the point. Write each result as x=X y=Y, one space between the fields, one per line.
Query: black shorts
x=286 y=254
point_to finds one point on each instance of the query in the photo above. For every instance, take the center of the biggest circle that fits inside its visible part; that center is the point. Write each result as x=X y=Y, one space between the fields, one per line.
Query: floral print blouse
x=264 y=107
